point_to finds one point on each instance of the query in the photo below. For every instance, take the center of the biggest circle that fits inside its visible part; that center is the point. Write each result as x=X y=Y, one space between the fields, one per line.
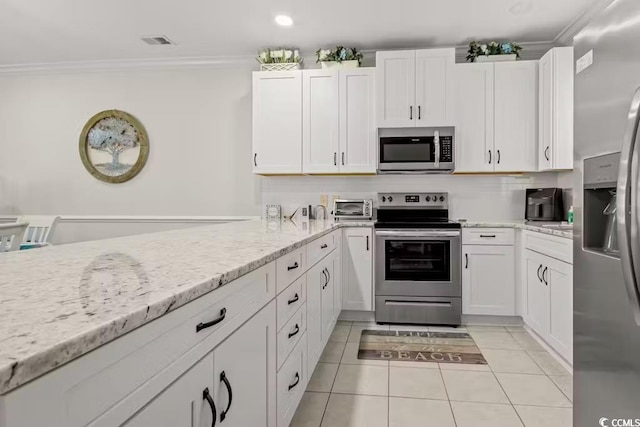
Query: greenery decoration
x=279 y=56
x=339 y=54
x=492 y=48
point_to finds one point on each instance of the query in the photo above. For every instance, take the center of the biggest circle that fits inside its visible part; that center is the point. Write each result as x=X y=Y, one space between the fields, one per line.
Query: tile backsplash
x=472 y=197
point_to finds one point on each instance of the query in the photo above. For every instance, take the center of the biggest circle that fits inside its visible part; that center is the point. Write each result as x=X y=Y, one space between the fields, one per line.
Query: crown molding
x=235 y=62
x=565 y=38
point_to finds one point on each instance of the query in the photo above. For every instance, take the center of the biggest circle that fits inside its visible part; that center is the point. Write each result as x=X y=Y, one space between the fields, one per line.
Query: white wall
x=199 y=126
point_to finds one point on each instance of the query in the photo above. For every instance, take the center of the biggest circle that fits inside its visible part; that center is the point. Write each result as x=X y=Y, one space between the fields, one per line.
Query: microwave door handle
x=626 y=208
x=436 y=143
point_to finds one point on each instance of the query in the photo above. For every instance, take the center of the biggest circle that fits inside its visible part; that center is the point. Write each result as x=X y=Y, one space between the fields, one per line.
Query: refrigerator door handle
x=627 y=212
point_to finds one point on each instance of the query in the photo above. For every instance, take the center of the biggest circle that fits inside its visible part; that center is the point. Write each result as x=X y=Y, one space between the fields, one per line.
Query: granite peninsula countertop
x=523 y=225
x=60 y=302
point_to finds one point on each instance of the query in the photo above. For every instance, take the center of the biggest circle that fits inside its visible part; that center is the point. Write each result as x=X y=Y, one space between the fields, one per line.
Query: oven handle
x=418 y=233
x=418 y=303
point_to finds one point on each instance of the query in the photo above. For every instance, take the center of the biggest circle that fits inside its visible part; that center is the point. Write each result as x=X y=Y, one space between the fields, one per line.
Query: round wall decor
x=114 y=146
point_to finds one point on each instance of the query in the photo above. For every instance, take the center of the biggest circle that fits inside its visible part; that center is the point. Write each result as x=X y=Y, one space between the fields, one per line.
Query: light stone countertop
x=60 y=302
x=567 y=234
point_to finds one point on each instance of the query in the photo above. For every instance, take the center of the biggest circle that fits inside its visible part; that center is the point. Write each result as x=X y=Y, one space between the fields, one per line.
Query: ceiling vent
x=157 y=40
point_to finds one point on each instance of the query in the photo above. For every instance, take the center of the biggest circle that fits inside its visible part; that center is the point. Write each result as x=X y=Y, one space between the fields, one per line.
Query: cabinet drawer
x=320 y=248
x=290 y=334
x=289 y=267
x=552 y=246
x=290 y=301
x=488 y=236
x=291 y=383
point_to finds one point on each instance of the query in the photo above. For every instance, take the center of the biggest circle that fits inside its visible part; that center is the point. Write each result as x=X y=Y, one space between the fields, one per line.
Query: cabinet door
x=516 y=116
x=315 y=282
x=357 y=269
x=545 y=109
x=396 y=89
x=488 y=280
x=320 y=121
x=537 y=294
x=357 y=121
x=247 y=361
x=183 y=402
x=559 y=277
x=277 y=122
x=337 y=276
x=434 y=87
x=328 y=315
x=474 y=104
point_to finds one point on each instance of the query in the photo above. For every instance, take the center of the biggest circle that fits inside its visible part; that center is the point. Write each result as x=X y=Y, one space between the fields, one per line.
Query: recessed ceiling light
x=284 y=20
x=521 y=7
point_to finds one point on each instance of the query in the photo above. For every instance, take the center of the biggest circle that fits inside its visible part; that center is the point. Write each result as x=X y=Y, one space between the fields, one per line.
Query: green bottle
x=570 y=219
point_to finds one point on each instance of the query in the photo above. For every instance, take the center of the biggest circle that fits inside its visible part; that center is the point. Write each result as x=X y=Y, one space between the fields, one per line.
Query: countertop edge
x=566 y=234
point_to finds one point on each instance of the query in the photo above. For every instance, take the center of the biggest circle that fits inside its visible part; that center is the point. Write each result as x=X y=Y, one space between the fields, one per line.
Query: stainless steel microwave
x=419 y=150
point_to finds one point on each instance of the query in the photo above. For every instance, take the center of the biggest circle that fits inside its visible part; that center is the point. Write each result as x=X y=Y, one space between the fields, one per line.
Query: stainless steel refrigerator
x=606 y=272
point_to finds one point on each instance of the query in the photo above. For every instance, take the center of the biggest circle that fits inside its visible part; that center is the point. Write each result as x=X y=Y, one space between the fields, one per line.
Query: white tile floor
x=521 y=386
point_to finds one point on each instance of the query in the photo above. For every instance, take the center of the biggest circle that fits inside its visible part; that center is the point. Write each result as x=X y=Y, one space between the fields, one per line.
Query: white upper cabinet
x=277 y=122
x=516 y=116
x=396 y=88
x=357 y=121
x=555 y=148
x=496 y=109
x=415 y=88
x=474 y=97
x=434 y=87
x=320 y=121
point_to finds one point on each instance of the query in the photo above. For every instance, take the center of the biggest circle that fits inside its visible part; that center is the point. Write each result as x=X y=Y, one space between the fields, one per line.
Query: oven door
x=418 y=263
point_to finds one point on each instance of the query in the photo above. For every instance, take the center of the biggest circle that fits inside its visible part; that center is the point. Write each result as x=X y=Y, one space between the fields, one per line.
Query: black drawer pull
x=539 y=278
x=207 y=396
x=200 y=326
x=326 y=279
x=466 y=259
x=293 y=267
x=294 y=333
x=294 y=299
x=488 y=236
x=223 y=378
x=325 y=246
x=296 y=382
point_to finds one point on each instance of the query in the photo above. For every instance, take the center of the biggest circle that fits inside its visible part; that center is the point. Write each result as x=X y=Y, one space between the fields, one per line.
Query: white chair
x=40 y=228
x=11 y=236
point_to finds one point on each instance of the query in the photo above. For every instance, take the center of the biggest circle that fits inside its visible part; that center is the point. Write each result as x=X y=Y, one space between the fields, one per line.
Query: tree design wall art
x=114 y=146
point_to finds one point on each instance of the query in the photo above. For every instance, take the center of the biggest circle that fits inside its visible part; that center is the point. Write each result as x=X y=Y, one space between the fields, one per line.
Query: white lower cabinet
x=184 y=403
x=488 y=280
x=292 y=382
x=357 y=269
x=321 y=317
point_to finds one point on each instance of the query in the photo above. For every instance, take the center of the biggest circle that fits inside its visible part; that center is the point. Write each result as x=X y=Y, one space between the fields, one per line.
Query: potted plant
x=493 y=52
x=340 y=57
x=279 y=59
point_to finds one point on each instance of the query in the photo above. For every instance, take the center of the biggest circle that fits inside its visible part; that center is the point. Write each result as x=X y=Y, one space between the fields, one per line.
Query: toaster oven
x=353 y=209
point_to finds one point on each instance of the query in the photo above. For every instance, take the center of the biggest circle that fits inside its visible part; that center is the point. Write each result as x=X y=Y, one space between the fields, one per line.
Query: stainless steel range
x=418 y=260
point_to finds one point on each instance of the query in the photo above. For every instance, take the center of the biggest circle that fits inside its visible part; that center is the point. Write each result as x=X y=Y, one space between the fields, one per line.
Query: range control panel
x=435 y=200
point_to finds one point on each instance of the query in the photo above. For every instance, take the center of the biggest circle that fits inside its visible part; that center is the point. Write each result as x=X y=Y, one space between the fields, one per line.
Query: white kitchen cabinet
x=277 y=122
x=488 y=280
x=357 y=269
x=496 y=109
x=474 y=98
x=357 y=121
x=537 y=316
x=183 y=403
x=555 y=148
x=245 y=373
x=328 y=314
x=516 y=116
x=560 y=283
x=415 y=88
x=320 y=121
x=337 y=275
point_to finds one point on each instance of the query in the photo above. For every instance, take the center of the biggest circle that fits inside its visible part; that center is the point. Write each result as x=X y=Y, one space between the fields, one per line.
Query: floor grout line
x=508 y=398
x=444 y=384
x=334 y=378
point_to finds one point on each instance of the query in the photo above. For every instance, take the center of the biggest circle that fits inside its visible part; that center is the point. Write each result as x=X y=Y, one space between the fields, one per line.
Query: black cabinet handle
x=544 y=278
x=343 y=158
x=225 y=380
x=293 y=267
x=367 y=242
x=489 y=156
x=546 y=153
x=296 y=382
x=328 y=275
x=207 y=396
x=295 y=332
x=539 y=278
x=466 y=260
x=419 y=113
x=326 y=279
x=200 y=326
x=255 y=161
x=411 y=112
x=498 y=153
x=335 y=159
x=294 y=299
x=488 y=236
x=325 y=246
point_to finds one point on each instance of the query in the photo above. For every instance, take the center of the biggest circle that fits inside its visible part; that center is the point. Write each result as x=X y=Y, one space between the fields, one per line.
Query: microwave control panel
x=446 y=149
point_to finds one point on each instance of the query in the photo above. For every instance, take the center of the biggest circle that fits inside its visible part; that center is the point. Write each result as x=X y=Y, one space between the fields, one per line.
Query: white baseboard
x=565 y=364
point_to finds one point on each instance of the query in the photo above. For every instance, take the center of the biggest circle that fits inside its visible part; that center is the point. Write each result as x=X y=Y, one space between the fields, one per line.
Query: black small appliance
x=544 y=204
